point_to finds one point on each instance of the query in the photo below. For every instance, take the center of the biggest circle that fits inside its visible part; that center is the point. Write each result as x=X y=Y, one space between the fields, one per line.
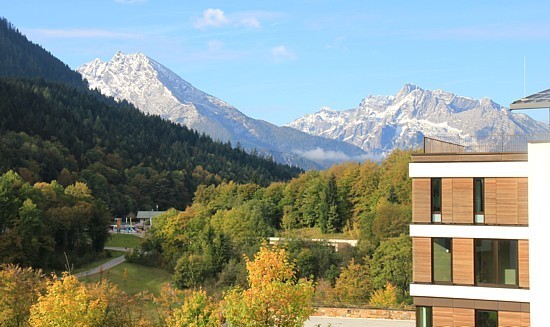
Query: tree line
x=130 y=160
x=370 y=201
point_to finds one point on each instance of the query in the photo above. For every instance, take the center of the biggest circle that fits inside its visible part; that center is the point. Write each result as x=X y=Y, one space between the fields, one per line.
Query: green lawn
x=139 y=278
x=123 y=241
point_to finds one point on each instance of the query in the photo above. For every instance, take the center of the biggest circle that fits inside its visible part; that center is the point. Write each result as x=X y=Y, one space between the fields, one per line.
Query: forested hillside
x=203 y=245
x=129 y=160
x=19 y=57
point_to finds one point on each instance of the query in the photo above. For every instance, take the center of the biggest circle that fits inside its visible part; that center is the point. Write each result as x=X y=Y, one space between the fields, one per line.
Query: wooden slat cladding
x=421 y=200
x=463 y=200
x=422 y=259
x=464 y=317
x=523 y=210
x=490 y=200
x=509 y=319
x=507 y=201
x=525 y=319
x=523 y=258
x=463 y=261
x=442 y=316
x=447 y=200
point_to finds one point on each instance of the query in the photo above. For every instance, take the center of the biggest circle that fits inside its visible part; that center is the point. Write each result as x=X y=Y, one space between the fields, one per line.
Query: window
x=496 y=262
x=442 y=260
x=479 y=205
x=423 y=316
x=486 y=318
x=436 y=200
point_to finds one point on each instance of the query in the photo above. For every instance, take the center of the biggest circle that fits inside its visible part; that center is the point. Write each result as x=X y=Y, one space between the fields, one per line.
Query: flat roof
x=533 y=101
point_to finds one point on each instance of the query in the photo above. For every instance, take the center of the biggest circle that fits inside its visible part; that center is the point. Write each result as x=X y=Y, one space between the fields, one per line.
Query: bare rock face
x=381 y=123
x=156 y=90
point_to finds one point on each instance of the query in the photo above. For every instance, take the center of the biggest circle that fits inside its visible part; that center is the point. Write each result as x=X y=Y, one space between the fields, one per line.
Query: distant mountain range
x=377 y=126
x=381 y=123
x=156 y=90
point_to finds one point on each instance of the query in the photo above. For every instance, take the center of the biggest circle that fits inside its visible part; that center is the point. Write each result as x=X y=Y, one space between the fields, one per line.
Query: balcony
x=491 y=143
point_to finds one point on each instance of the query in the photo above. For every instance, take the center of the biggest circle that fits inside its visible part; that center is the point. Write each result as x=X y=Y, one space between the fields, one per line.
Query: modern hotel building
x=481 y=232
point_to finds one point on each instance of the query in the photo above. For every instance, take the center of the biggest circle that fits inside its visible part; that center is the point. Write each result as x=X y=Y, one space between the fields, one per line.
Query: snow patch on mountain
x=382 y=123
x=156 y=90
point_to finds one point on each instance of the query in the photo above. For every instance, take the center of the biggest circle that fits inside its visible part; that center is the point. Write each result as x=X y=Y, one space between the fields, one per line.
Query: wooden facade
x=523 y=263
x=505 y=201
x=421 y=200
x=465 y=317
x=422 y=259
x=463 y=261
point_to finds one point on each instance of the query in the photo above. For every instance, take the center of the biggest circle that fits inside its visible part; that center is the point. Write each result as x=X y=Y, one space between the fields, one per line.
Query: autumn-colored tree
x=198 y=310
x=19 y=290
x=274 y=296
x=68 y=302
x=385 y=298
x=354 y=283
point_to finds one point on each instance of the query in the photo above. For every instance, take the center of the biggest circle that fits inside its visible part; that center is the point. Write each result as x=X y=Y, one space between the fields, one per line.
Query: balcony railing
x=491 y=143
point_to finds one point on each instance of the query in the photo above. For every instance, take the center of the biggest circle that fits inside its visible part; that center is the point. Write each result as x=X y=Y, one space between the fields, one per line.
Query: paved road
x=107 y=265
x=356 y=322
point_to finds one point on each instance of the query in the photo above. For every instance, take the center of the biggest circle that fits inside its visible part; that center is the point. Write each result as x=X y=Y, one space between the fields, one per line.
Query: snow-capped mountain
x=382 y=123
x=156 y=90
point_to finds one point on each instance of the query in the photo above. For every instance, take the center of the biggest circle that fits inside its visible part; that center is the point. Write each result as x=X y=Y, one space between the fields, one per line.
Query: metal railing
x=490 y=143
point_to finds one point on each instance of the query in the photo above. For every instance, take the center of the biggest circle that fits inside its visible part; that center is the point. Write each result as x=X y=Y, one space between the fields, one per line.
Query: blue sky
x=277 y=60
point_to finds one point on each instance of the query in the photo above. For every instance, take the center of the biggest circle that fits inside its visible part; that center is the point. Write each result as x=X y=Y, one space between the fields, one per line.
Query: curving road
x=107 y=265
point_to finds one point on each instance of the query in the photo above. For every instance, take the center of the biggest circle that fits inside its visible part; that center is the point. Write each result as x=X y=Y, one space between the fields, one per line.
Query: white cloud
x=212 y=18
x=319 y=154
x=250 y=21
x=215 y=45
x=282 y=53
x=216 y=18
x=82 y=33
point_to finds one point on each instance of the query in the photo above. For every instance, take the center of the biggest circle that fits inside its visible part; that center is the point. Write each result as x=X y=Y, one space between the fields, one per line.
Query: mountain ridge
x=382 y=123
x=155 y=89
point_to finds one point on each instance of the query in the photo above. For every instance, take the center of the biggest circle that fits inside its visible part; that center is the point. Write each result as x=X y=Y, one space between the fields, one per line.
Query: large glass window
x=485 y=318
x=479 y=205
x=436 y=200
x=442 y=260
x=496 y=262
x=424 y=316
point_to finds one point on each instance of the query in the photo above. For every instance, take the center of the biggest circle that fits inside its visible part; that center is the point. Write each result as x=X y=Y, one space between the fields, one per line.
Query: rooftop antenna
x=524 y=75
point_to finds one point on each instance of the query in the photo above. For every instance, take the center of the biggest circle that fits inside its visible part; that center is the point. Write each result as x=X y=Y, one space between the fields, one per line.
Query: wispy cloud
x=217 y=18
x=280 y=53
x=82 y=33
x=320 y=154
x=212 y=18
x=215 y=45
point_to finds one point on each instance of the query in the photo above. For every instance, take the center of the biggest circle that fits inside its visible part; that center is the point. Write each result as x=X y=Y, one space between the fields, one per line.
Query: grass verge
x=123 y=241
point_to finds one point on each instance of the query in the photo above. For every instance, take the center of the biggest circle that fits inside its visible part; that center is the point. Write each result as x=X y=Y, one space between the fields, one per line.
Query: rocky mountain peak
x=381 y=123
x=157 y=90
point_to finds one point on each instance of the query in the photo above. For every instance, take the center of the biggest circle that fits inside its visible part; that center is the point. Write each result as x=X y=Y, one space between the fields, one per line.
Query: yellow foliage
x=274 y=298
x=67 y=302
x=353 y=285
x=385 y=298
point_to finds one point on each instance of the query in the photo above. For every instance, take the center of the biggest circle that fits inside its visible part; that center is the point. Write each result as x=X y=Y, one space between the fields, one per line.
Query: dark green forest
x=19 y=57
x=129 y=160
